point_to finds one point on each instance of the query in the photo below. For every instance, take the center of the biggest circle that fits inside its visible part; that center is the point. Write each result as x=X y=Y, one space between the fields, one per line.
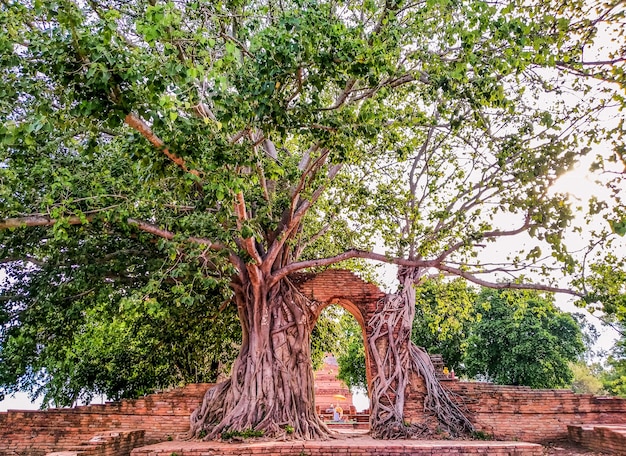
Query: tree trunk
x=271 y=385
x=395 y=357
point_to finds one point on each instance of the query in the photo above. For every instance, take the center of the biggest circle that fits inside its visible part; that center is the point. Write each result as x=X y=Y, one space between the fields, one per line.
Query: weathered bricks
x=521 y=413
x=160 y=416
x=353 y=447
x=600 y=437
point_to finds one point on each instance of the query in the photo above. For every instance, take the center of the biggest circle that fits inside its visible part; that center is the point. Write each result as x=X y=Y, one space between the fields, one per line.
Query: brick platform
x=360 y=446
x=609 y=438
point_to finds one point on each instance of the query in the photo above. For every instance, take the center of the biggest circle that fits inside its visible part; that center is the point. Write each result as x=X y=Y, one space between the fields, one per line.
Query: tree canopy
x=154 y=155
x=522 y=339
x=444 y=315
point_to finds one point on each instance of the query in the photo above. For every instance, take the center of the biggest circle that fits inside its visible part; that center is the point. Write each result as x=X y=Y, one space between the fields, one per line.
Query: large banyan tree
x=225 y=145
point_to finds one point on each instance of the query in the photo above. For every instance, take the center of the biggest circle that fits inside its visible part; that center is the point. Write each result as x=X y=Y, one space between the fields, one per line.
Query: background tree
x=444 y=315
x=79 y=328
x=523 y=339
x=248 y=140
x=587 y=379
x=327 y=335
x=351 y=354
x=614 y=379
x=503 y=329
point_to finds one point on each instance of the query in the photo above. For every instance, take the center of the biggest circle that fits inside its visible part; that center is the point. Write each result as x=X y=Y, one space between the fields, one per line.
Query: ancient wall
x=521 y=413
x=162 y=416
x=503 y=412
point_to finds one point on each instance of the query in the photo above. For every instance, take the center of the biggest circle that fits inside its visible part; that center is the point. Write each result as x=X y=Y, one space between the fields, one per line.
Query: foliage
x=95 y=332
x=327 y=335
x=450 y=316
x=338 y=332
x=481 y=435
x=351 y=354
x=587 y=379
x=160 y=158
x=615 y=377
x=445 y=313
x=245 y=434
x=522 y=339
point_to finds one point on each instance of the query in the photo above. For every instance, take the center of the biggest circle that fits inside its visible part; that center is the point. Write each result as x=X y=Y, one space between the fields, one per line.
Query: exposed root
x=271 y=384
x=395 y=357
x=438 y=401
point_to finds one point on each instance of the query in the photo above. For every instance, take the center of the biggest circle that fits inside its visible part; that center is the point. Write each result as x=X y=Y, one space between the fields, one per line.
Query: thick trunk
x=271 y=385
x=395 y=357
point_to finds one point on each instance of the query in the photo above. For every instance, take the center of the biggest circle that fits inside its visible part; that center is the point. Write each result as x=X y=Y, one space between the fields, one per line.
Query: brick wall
x=505 y=412
x=161 y=415
x=521 y=413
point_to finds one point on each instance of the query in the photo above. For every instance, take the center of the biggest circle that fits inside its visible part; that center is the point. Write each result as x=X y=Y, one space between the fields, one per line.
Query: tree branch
x=506 y=285
x=343 y=96
x=140 y=126
x=364 y=254
x=487 y=234
x=40 y=220
x=292 y=218
x=25 y=259
x=165 y=234
x=347 y=255
x=242 y=216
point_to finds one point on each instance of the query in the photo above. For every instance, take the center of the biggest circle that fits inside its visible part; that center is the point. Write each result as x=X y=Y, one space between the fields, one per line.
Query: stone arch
x=344 y=288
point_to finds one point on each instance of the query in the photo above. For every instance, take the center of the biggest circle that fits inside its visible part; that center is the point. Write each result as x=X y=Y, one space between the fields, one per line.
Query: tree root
x=271 y=386
x=395 y=358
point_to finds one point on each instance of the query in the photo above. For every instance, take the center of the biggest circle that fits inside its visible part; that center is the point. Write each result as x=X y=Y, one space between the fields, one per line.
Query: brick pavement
x=356 y=446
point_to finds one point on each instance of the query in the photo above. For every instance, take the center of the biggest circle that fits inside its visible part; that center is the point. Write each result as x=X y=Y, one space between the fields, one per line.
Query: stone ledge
x=609 y=438
x=108 y=443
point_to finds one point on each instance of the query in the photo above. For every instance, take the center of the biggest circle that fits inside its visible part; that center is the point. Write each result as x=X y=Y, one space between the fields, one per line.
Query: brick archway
x=345 y=289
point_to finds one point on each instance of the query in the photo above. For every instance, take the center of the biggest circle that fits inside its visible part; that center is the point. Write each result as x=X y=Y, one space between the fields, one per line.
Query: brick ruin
x=503 y=412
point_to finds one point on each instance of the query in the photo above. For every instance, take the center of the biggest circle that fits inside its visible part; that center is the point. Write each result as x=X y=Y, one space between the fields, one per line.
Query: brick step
x=107 y=443
x=607 y=438
x=337 y=425
x=357 y=446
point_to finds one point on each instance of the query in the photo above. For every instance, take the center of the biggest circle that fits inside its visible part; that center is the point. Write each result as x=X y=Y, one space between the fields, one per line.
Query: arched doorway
x=340 y=379
x=351 y=293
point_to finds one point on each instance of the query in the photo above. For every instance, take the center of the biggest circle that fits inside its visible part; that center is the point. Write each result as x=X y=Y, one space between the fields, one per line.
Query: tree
x=445 y=313
x=614 y=378
x=83 y=328
x=351 y=354
x=449 y=317
x=587 y=379
x=243 y=141
x=326 y=336
x=523 y=339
